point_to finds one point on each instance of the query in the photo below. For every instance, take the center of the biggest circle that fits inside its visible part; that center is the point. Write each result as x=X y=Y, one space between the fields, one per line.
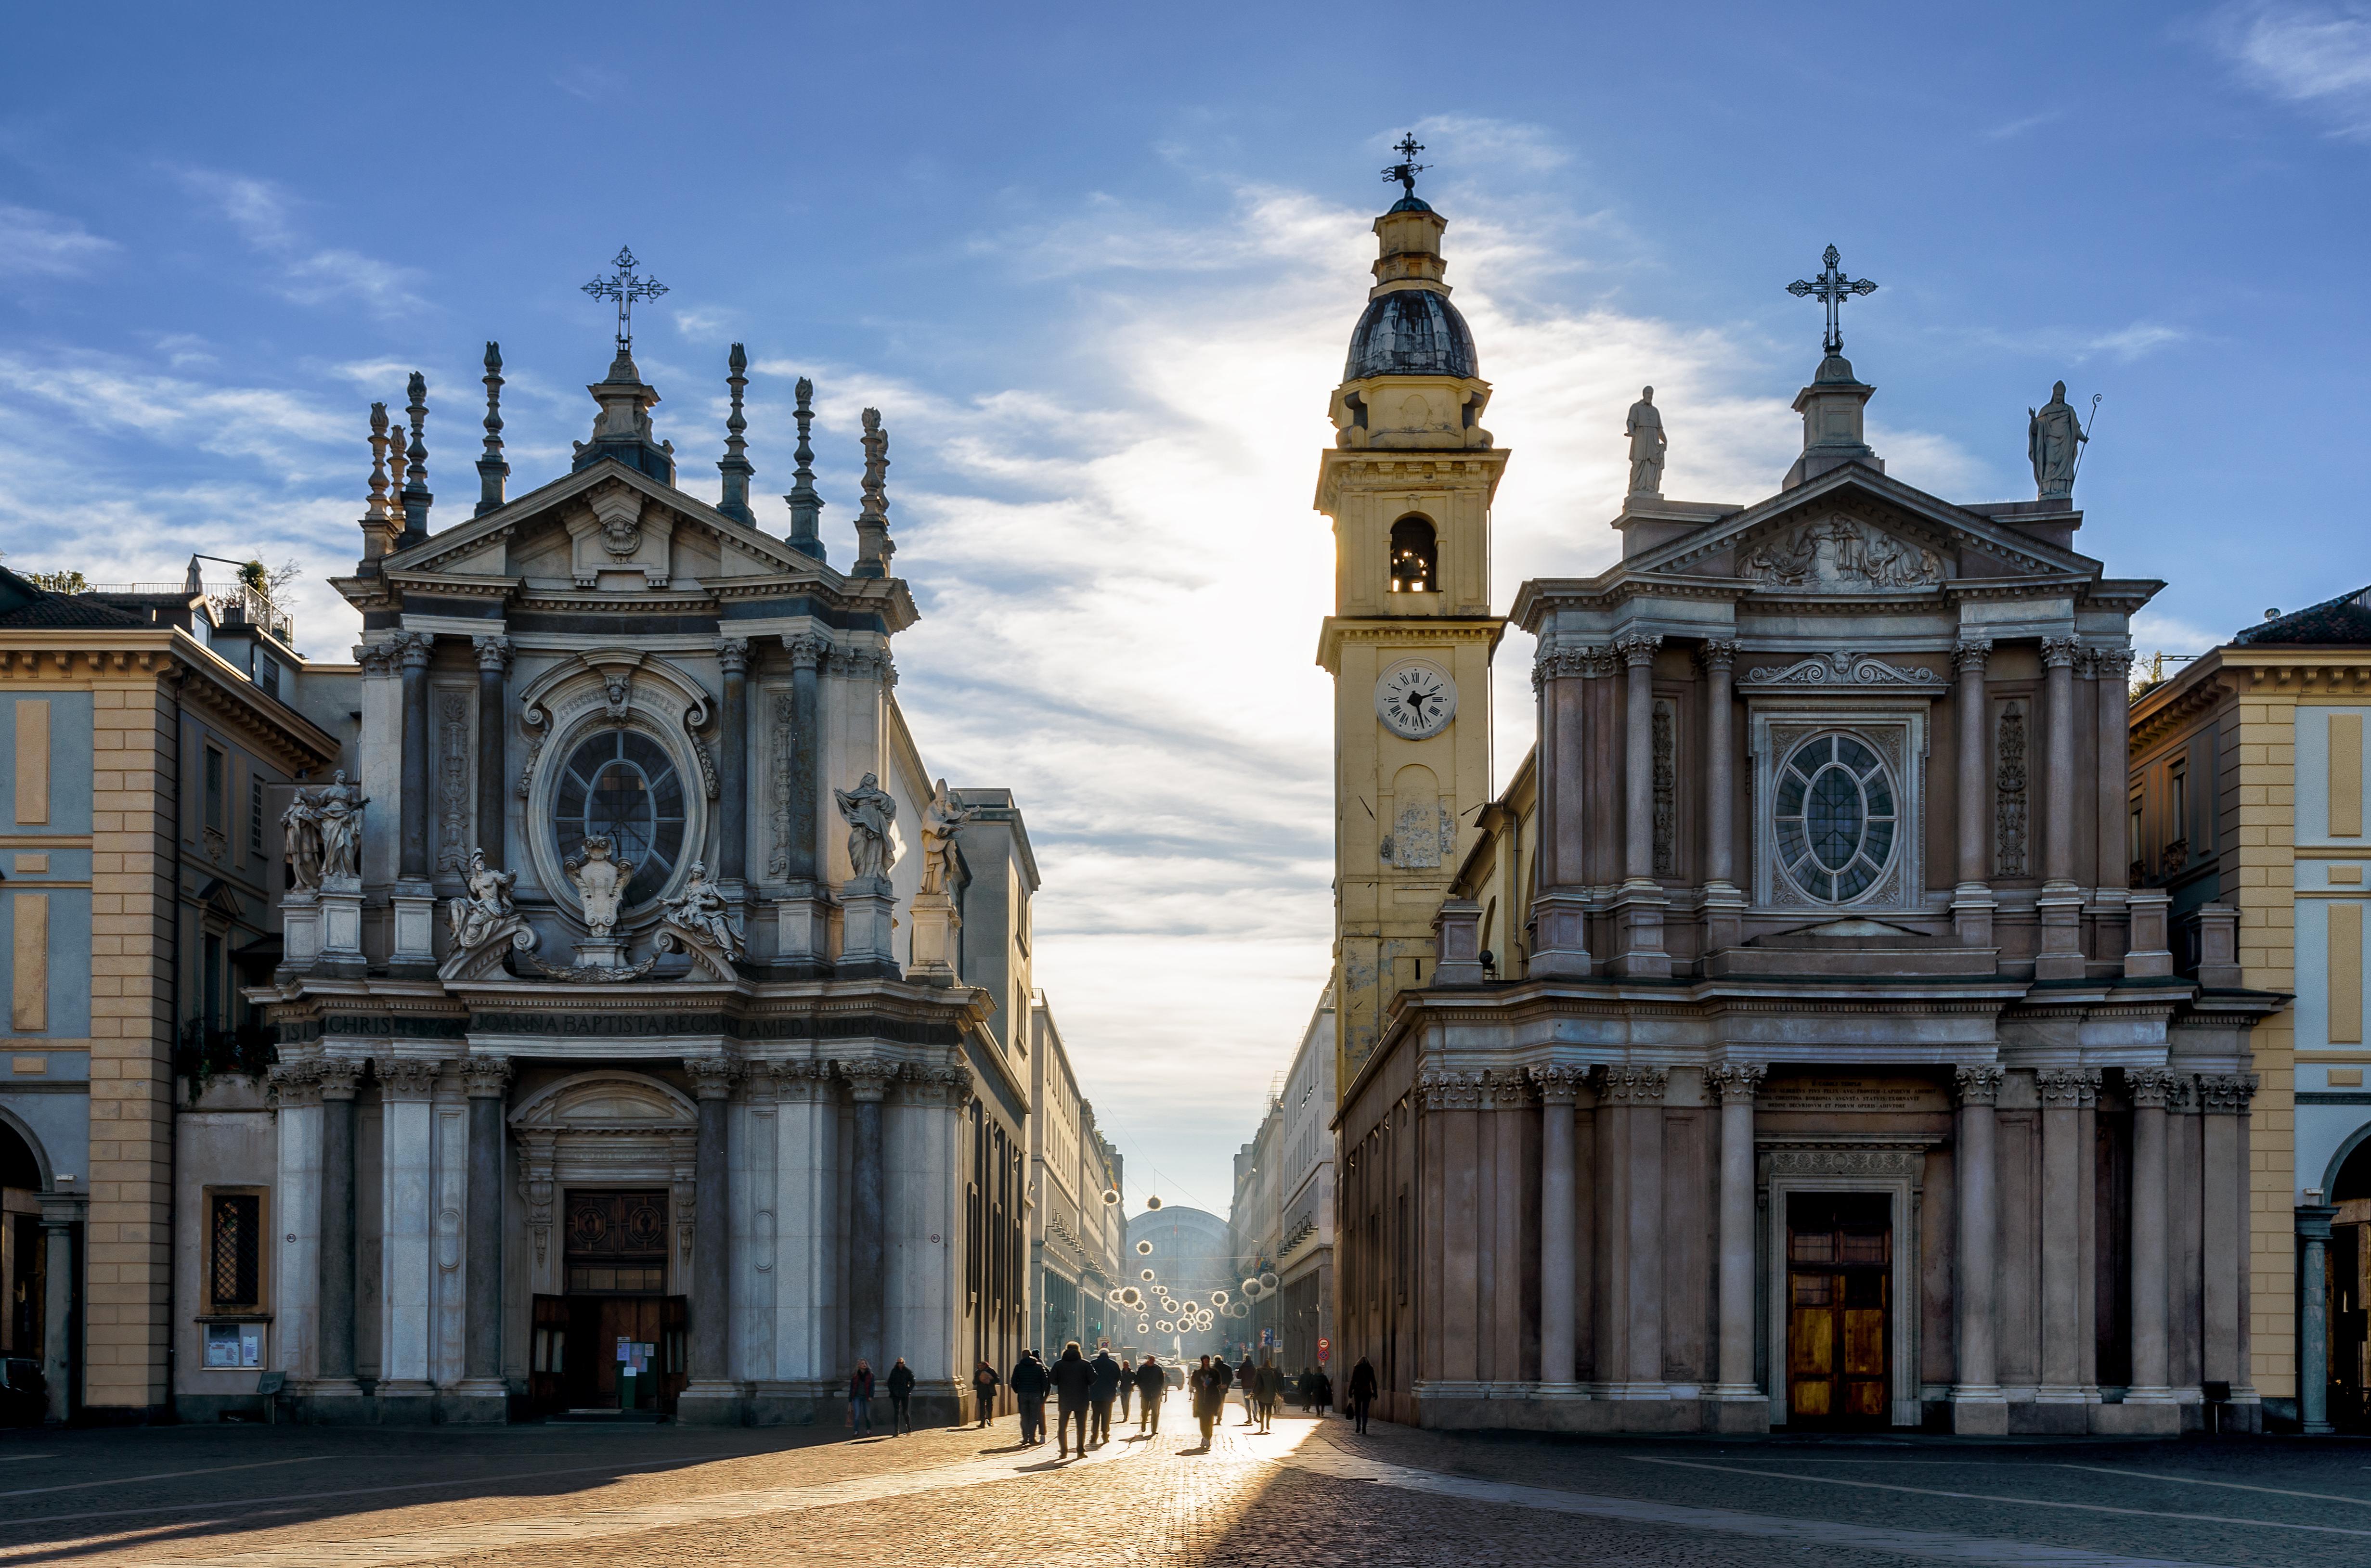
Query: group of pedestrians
x=901 y=1399
x=1084 y=1390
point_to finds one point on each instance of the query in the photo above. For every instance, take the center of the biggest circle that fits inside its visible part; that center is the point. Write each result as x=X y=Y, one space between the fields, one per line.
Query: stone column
x=1609 y=1201
x=1559 y=909
x=1972 y=901
x=807 y=1107
x=1559 y=1088
x=2223 y=1099
x=2149 y=1088
x=802 y=938
x=334 y=1361
x=1977 y=1404
x=1724 y=903
x=412 y=845
x=494 y=724
x=488 y=1079
x=2313 y=1217
x=2059 y=955
x=1642 y=901
x=1737 y=1083
x=712 y=1243
x=2066 y=1192
x=407 y=1246
x=1636 y=1096
x=733 y=763
x=2112 y=670
x=868 y=1084
x=61 y=1213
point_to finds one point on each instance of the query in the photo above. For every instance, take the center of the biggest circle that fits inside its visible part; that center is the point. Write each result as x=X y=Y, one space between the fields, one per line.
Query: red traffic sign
x=1325 y=1349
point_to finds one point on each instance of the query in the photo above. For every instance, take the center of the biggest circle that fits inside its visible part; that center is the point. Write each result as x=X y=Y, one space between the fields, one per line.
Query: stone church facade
x=1783 y=1047
x=651 y=1030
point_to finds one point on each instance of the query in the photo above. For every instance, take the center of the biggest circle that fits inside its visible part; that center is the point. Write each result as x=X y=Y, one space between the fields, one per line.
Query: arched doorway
x=2350 y=1289
x=24 y=1280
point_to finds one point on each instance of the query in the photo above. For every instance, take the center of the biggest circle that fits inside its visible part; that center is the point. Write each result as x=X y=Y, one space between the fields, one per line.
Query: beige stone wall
x=129 y=1247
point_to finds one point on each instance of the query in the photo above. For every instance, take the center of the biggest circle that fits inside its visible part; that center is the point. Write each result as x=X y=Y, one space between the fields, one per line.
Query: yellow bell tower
x=1408 y=485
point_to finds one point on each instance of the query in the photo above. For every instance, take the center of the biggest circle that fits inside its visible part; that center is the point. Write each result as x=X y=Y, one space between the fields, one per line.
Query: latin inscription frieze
x=1852 y=1095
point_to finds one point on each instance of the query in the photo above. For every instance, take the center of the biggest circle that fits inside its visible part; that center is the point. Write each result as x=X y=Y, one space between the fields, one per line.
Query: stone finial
x=806 y=506
x=736 y=466
x=376 y=516
x=416 y=499
x=491 y=469
x=873 y=545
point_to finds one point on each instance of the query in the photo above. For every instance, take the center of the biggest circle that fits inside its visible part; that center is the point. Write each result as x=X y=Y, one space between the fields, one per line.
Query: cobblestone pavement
x=1310 y=1492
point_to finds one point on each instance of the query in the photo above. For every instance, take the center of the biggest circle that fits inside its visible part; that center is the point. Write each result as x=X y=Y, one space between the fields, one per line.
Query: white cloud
x=2314 y=55
x=2133 y=341
x=43 y=245
x=1477 y=142
x=2016 y=128
x=263 y=213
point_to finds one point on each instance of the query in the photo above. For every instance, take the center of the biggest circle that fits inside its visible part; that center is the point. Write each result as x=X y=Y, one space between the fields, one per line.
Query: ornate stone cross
x=1833 y=288
x=625 y=288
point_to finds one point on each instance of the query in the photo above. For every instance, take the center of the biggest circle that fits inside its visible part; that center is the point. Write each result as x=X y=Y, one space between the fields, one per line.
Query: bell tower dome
x=1408 y=484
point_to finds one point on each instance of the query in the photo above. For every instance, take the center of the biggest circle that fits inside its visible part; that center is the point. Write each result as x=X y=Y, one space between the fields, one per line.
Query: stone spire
x=873 y=545
x=491 y=469
x=375 y=524
x=736 y=466
x=416 y=499
x=806 y=506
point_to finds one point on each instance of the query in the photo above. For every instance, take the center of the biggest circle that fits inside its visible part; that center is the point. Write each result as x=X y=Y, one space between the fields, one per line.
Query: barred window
x=255 y=816
x=235 y=1232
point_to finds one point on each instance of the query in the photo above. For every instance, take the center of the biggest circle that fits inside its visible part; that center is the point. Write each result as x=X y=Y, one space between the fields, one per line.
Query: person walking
x=983 y=1384
x=1029 y=1383
x=1126 y=1388
x=1208 y=1385
x=1245 y=1376
x=1226 y=1377
x=1100 y=1392
x=1304 y=1389
x=1151 y=1388
x=859 y=1401
x=901 y=1399
x=1363 y=1391
x=1324 y=1394
x=1268 y=1383
x=1072 y=1380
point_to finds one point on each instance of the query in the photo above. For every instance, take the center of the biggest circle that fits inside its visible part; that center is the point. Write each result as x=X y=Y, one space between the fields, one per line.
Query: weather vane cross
x=1407 y=168
x=625 y=288
x=1833 y=288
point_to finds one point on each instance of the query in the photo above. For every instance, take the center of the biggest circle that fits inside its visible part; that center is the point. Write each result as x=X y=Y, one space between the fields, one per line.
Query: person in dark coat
x=1362 y=1391
x=1100 y=1393
x=1127 y=1387
x=1244 y=1377
x=1209 y=1384
x=1324 y=1393
x=859 y=1401
x=1073 y=1378
x=1226 y=1380
x=1268 y=1385
x=901 y=1398
x=1029 y=1384
x=983 y=1384
x=1151 y=1385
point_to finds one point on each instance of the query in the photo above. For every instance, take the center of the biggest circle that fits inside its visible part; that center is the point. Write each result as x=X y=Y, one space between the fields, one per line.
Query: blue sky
x=1097 y=264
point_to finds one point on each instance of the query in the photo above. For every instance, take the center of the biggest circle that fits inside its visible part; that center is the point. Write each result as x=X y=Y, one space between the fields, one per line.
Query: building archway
x=2349 y=1267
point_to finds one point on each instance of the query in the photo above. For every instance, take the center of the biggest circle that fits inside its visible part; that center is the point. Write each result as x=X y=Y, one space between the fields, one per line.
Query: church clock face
x=1415 y=701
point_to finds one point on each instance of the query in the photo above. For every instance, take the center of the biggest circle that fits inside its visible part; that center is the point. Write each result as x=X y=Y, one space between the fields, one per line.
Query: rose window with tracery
x=620 y=784
x=1836 y=820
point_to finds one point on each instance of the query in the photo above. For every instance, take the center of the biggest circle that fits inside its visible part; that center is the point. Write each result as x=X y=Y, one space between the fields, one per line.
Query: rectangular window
x=235 y=1252
x=32 y=761
x=210 y=982
x=213 y=789
x=2178 y=783
x=2346 y=971
x=2345 y=775
x=2135 y=847
x=255 y=817
x=267 y=675
x=29 y=997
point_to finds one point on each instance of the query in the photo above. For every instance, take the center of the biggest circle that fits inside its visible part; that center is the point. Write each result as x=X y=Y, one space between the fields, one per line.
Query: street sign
x=1324 y=1351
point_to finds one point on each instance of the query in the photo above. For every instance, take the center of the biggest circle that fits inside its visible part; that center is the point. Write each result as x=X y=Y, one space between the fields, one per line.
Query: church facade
x=1784 y=1046
x=652 y=1029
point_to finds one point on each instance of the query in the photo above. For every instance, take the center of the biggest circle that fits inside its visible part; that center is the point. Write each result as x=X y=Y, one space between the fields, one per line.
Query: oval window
x=1835 y=818
x=620 y=783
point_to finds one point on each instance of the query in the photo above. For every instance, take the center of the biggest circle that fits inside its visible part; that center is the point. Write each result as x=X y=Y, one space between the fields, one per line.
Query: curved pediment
x=606 y=1101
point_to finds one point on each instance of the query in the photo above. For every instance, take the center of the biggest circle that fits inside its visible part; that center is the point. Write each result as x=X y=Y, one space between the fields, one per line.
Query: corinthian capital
x=1737 y=1082
x=2058 y=653
x=1978 y=1085
x=1717 y=653
x=2068 y=1086
x=1559 y=1086
x=1638 y=647
x=493 y=653
x=2149 y=1087
x=1970 y=653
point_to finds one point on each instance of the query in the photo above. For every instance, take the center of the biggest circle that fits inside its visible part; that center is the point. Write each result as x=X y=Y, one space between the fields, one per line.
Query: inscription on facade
x=1869 y=1096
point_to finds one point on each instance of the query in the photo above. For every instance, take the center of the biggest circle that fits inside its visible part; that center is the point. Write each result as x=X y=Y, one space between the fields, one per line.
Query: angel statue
x=942 y=820
x=873 y=844
x=701 y=911
x=480 y=916
x=600 y=880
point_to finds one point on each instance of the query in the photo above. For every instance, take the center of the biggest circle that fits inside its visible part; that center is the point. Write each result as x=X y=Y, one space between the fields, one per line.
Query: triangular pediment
x=1853 y=530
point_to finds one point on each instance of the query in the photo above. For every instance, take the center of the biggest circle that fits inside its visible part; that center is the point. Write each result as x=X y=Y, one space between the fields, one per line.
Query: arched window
x=621 y=784
x=1414 y=557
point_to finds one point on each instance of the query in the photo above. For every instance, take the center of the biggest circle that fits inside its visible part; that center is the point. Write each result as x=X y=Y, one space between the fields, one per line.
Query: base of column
x=2129 y=1420
x=1979 y=1413
x=406 y=1401
x=1972 y=908
x=866 y=923
x=2060 y=956
x=475 y=1402
x=1724 y=916
x=710 y=1404
x=1561 y=920
x=1639 y=927
x=414 y=954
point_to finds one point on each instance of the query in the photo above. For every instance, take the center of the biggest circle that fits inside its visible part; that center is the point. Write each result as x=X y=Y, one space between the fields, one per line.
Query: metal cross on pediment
x=1833 y=288
x=1407 y=168
x=625 y=288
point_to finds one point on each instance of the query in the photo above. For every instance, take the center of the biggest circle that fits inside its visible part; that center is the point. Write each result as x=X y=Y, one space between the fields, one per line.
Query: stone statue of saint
x=600 y=880
x=701 y=911
x=872 y=846
x=1645 y=428
x=942 y=820
x=335 y=810
x=300 y=828
x=483 y=913
x=2053 y=440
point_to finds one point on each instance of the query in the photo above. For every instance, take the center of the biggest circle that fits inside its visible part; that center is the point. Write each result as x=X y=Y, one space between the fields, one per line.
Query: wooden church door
x=1839 y=1309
